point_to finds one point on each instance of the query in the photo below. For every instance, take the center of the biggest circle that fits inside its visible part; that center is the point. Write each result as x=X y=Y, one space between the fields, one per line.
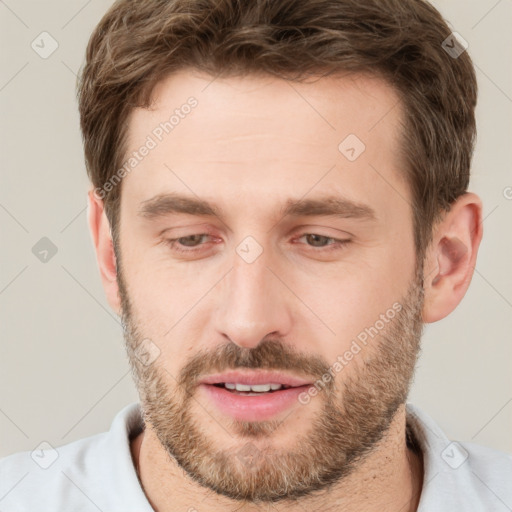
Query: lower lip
x=253 y=408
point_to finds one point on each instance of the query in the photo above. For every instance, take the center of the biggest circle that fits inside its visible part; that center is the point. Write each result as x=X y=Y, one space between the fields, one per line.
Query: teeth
x=259 y=388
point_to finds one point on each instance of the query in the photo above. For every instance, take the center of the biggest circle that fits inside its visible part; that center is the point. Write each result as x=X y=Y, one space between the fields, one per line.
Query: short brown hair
x=138 y=43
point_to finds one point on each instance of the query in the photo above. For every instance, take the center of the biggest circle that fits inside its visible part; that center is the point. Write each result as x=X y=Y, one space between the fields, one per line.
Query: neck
x=388 y=479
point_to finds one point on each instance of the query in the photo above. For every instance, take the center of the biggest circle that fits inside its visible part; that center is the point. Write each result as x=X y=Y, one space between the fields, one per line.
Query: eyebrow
x=172 y=203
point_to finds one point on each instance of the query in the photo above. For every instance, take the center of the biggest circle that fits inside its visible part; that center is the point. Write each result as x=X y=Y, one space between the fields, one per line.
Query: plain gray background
x=63 y=370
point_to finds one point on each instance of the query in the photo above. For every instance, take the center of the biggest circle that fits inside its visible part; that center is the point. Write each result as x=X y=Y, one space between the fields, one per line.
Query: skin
x=249 y=145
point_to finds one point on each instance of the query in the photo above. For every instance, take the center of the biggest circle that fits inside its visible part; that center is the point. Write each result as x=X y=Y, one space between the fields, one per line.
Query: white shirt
x=97 y=473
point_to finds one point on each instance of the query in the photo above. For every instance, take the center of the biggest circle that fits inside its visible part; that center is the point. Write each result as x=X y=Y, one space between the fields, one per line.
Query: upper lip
x=255 y=377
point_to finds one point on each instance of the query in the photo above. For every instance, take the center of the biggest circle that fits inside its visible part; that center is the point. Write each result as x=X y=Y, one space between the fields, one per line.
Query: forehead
x=262 y=137
x=319 y=110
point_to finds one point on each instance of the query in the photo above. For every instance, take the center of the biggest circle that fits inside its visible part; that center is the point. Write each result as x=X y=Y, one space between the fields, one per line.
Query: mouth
x=256 y=390
x=260 y=381
x=253 y=396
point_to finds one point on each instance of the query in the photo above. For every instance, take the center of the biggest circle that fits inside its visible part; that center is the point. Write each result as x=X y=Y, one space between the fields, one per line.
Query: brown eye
x=190 y=240
x=320 y=241
x=178 y=244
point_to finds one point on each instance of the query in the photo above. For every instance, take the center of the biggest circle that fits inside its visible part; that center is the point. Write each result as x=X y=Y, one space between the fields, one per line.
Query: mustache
x=270 y=354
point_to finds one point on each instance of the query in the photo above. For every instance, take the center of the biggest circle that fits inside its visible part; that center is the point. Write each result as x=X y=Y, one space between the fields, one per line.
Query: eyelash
x=337 y=245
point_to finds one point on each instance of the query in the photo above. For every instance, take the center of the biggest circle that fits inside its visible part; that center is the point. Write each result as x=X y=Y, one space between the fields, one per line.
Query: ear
x=451 y=257
x=100 y=232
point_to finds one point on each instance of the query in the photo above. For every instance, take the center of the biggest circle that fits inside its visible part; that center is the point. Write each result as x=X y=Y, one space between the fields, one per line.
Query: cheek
x=352 y=299
x=347 y=305
x=175 y=300
x=164 y=297
x=168 y=299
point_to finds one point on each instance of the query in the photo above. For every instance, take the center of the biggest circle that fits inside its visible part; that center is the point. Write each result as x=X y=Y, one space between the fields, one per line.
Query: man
x=278 y=204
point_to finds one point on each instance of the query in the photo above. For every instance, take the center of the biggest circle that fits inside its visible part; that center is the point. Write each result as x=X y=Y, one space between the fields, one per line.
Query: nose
x=253 y=303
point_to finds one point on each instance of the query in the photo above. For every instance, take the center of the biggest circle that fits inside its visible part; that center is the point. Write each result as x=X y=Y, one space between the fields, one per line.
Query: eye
x=319 y=241
x=193 y=242
x=177 y=244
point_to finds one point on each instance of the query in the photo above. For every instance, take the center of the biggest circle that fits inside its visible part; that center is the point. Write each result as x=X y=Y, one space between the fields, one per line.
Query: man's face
x=253 y=289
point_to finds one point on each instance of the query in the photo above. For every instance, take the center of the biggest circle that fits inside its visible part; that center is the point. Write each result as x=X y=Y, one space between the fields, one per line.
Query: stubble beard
x=355 y=414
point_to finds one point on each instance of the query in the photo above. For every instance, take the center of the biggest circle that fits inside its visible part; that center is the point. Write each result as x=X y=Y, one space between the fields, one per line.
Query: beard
x=356 y=409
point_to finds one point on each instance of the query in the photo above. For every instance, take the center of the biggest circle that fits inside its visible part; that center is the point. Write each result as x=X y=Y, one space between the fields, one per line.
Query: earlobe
x=99 y=227
x=451 y=258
